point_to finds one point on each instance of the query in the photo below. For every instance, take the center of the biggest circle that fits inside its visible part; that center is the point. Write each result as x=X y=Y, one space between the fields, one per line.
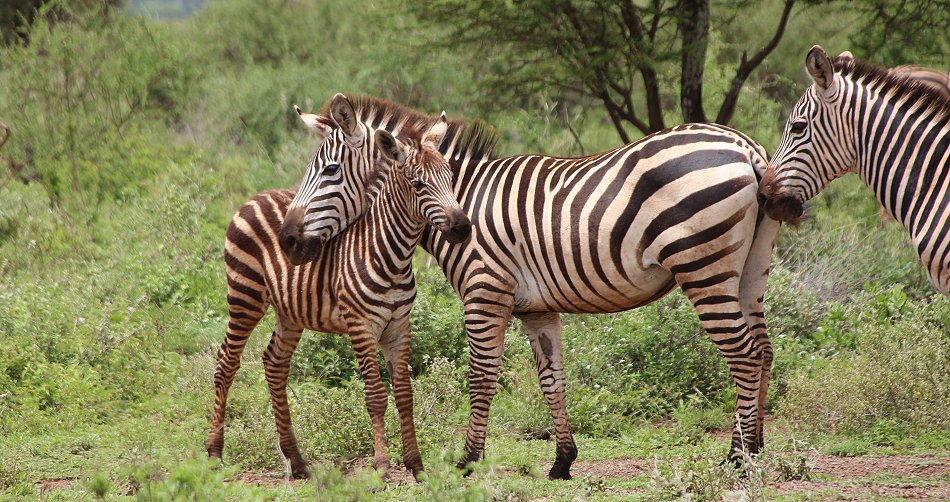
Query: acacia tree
x=609 y=50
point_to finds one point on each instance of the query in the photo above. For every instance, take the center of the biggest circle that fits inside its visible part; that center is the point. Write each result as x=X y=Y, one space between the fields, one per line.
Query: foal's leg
x=363 y=337
x=544 y=332
x=395 y=343
x=276 y=368
x=246 y=307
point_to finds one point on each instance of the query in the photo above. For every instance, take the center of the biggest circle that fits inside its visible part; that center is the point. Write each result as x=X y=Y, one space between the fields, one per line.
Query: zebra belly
x=315 y=308
x=533 y=294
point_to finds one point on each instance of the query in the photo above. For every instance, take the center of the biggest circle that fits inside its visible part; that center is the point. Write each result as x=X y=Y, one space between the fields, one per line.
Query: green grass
x=140 y=139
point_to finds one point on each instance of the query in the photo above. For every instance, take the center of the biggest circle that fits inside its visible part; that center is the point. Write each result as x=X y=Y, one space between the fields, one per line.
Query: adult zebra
x=890 y=129
x=603 y=233
x=359 y=284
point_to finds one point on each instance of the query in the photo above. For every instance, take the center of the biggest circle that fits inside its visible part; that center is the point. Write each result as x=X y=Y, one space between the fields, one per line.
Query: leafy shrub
x=439 y=399
x=77 y=97
x=898 y=360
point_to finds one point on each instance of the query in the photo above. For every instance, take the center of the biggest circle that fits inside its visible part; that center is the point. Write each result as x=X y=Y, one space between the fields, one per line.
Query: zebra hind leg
x=544 y=333
x=752 y=287
x=716 y=300
x=395 y=343
x=276 y=358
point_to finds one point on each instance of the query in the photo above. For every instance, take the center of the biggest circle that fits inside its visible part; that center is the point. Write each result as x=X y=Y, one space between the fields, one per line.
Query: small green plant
x=847 y=447
x=695 y=476
x=99 y=485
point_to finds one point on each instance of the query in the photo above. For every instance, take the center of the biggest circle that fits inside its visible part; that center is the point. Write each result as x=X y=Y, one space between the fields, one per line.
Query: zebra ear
x=821 y=70
x=391 y=148
x=316 y=123
x=433 y=138
x=343 y=114
x=845 y=58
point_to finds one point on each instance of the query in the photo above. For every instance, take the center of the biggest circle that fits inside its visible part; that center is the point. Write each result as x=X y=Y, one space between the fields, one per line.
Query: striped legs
x=544 y=333
x=485 y=322
x=755 y=275
x=715 y=299
x=243 y=317
x=395 y=343
x=276 y=358
x=363 y=338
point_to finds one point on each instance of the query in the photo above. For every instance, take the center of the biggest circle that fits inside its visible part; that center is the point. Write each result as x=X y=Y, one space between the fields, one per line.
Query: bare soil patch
x=269 y=479
x=614 y=468
x=836 y=489
x=863 y=466
x=48 y=485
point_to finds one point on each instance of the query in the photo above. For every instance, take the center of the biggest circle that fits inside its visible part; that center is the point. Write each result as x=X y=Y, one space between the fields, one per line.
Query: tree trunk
x=694 y=32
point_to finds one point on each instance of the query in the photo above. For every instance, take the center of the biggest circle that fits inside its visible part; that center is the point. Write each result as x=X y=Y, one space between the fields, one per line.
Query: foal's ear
x=343 y=114
x=845 y=58
x=821 y=70
x=391 y=148
x=433 y=137
x=316 y=123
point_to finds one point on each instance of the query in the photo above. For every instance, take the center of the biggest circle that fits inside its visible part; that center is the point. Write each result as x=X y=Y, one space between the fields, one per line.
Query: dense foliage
x=137 y=139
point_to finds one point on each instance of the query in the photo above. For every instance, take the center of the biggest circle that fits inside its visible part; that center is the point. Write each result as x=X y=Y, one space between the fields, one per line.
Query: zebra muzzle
x=458 y=228
x=784 y=207
x=298 y=248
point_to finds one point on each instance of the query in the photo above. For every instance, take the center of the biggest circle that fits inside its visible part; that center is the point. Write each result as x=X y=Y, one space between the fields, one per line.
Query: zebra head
x=423 y=177
x=817 y=145
x=331 y=195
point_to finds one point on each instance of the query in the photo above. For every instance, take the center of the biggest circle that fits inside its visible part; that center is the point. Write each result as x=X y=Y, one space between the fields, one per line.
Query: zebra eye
x=798 y=127
x=331 y=168
x=418 y=184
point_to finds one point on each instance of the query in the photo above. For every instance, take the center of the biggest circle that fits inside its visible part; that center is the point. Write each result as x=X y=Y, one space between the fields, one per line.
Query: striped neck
x=901 y=146
x=391 y=228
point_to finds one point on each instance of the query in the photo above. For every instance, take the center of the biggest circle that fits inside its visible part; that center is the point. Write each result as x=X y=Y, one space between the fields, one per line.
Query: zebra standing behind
x=359 y=284
x=890 y=128
x=603 y=233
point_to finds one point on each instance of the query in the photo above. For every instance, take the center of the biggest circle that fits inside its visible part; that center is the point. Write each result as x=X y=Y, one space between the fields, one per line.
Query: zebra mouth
x=458 y=229
x=300 y=251
x=784 y=207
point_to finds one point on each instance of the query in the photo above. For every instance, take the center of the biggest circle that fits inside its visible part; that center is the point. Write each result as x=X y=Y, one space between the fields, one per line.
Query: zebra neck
x=391 y=230
x=904 y=153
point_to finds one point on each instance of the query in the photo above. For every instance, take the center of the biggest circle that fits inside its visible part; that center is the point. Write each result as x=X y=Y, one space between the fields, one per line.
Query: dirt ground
x=909 y=477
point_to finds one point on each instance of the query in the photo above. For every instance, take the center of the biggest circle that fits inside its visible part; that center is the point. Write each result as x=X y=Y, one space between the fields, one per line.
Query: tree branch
x=747 y=66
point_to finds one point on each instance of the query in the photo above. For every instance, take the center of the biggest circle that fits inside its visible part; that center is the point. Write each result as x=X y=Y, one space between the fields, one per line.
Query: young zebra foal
x=359 y=283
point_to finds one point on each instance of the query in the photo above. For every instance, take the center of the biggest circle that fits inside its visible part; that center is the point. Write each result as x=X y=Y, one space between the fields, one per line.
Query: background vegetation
x=136 y=134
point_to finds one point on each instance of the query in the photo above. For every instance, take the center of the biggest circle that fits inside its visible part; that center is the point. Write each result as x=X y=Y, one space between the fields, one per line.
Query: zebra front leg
x=241 y=323
x=276 y=358
x=364 y=340
x=485 y=324
x=395 y=343
x=544 y=333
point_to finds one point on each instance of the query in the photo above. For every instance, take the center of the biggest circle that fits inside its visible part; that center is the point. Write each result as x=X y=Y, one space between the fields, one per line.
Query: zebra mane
x=475 y=138
x=892 y=82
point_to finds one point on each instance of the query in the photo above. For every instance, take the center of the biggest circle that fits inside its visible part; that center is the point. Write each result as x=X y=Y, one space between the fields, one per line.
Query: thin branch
x=747 y=66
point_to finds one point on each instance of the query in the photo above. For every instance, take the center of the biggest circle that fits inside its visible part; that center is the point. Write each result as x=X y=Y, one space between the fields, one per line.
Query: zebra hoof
x=466 y=465
x=562 y=462
x=560 y=472
x=299 y=470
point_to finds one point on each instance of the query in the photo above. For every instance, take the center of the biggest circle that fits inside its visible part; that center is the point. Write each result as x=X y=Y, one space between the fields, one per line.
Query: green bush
x=900 y=358
x=79 y=99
